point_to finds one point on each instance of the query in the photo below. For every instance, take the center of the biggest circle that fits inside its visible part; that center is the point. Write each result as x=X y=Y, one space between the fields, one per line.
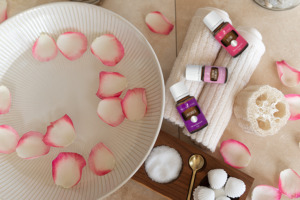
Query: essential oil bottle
x=188 y=108
x=205 y=73
x=225 y=33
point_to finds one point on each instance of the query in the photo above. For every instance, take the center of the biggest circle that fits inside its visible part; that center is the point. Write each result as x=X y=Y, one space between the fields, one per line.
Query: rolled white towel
x=199 y=47
x=216 y=101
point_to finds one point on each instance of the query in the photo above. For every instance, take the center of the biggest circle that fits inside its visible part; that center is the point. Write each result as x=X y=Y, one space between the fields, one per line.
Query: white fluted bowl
x=44 y=91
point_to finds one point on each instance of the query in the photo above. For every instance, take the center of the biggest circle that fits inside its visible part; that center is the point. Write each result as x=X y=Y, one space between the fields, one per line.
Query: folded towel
x=199 y=47
x=216 y=101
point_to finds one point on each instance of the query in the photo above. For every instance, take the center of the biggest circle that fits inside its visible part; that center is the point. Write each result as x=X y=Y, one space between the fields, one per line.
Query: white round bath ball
x=217 y=178
x=234 y=187
x=163 y=164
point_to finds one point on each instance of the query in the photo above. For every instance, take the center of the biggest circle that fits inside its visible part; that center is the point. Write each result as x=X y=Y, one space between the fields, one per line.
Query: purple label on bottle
x=236 y=44
x=192 y=115
x=215 y=74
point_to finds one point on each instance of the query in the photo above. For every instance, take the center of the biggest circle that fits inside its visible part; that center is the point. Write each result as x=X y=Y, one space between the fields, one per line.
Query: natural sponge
x=261 y=109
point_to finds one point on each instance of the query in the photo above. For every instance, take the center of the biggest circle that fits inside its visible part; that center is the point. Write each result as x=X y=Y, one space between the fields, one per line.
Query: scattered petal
x=294 y=103
x=3 y=10
x=8 y=139
x=158 y=23
x=31 y=145
x=111 y=84
x=67 y=169
x=289 y=183
x=5 y=99
x=235 y=153
x=265 y=192
x=108 y=49
x=72 y=44
x=134 y=104
x=110 y=111
x=288 y=75
x=101 y=160
x=60 y=133
x=44 y=48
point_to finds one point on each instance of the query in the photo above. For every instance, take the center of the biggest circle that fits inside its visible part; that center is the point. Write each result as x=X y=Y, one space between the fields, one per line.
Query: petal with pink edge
x=235 y=153
x=5 y=99
x=288 y=75
x=289 y=183
x=67 y=169
x=8 y=139
x=265 y=192
x=158 y=23
x=3 y=10
x=294 y=103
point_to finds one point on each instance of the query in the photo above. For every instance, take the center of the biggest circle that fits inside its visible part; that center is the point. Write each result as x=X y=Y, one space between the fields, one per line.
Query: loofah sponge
x=261 y=110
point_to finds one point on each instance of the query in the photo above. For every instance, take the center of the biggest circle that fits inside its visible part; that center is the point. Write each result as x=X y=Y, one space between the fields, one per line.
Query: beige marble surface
x=280 y=32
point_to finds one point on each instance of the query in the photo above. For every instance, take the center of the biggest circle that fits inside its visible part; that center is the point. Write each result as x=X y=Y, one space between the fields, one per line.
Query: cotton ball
x=217 y=178
x=203 y=193
x=234 y=187
x=163 y=164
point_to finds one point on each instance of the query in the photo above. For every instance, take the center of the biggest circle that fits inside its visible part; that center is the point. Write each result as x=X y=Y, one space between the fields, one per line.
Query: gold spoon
x=196 y=162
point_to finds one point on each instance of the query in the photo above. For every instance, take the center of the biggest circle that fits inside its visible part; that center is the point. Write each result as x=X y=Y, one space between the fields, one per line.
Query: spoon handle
x=191 y=185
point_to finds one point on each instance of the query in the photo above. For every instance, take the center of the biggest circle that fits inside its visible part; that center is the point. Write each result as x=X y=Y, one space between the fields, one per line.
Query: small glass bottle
x=226 y=34
x=205 y=73
x=188 y=108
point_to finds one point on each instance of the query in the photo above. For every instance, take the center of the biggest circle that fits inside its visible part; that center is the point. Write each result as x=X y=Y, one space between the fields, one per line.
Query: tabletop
x=280 y=31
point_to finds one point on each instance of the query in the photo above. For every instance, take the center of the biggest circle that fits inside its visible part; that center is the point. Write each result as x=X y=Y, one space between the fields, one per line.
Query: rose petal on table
x=158 y=23
x=72 y=44
x=3 y=10
x=5 y=99
x=265 y=192
x=31 y=145
x=108 y=49
x=288 y=75
x=294 y=103
x=8 y=139
x=67 y=169
x=289 y=183
x=235 y=153
x=44 y=48
x=111 y=84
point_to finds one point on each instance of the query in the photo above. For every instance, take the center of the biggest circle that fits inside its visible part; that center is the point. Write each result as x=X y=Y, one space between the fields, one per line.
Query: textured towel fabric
x=216 y=101
x=199 y=47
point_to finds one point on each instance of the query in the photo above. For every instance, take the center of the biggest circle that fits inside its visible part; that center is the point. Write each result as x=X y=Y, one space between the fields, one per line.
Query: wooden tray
x=178 y=188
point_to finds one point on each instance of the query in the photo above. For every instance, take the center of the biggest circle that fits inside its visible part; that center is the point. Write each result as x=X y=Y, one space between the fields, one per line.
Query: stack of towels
x=215 y=100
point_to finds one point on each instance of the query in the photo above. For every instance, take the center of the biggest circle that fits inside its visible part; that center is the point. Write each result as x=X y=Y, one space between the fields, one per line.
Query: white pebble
x=163 y=164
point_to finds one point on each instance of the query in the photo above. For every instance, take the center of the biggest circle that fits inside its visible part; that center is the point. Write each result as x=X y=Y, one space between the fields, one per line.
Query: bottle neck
x=183 y=99
x=219 y=27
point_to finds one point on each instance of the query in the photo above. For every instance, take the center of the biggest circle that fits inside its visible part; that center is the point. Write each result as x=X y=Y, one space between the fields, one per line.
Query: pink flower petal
x=158 y=23
x=289 y=183
x=8 y=139
x=288 y=75
x=67 y=169
x=294 y=103
x=101 y=160
x=235 y=153
x=3 y=10
x=5 y=99
x=111 y=84
x=44 y=48
x=265 y=192
x=31 y=145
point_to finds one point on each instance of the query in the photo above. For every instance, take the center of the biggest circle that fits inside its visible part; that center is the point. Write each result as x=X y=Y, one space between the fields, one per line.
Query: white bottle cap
x=193 y=72
x=178 y=91
x=212 y=20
